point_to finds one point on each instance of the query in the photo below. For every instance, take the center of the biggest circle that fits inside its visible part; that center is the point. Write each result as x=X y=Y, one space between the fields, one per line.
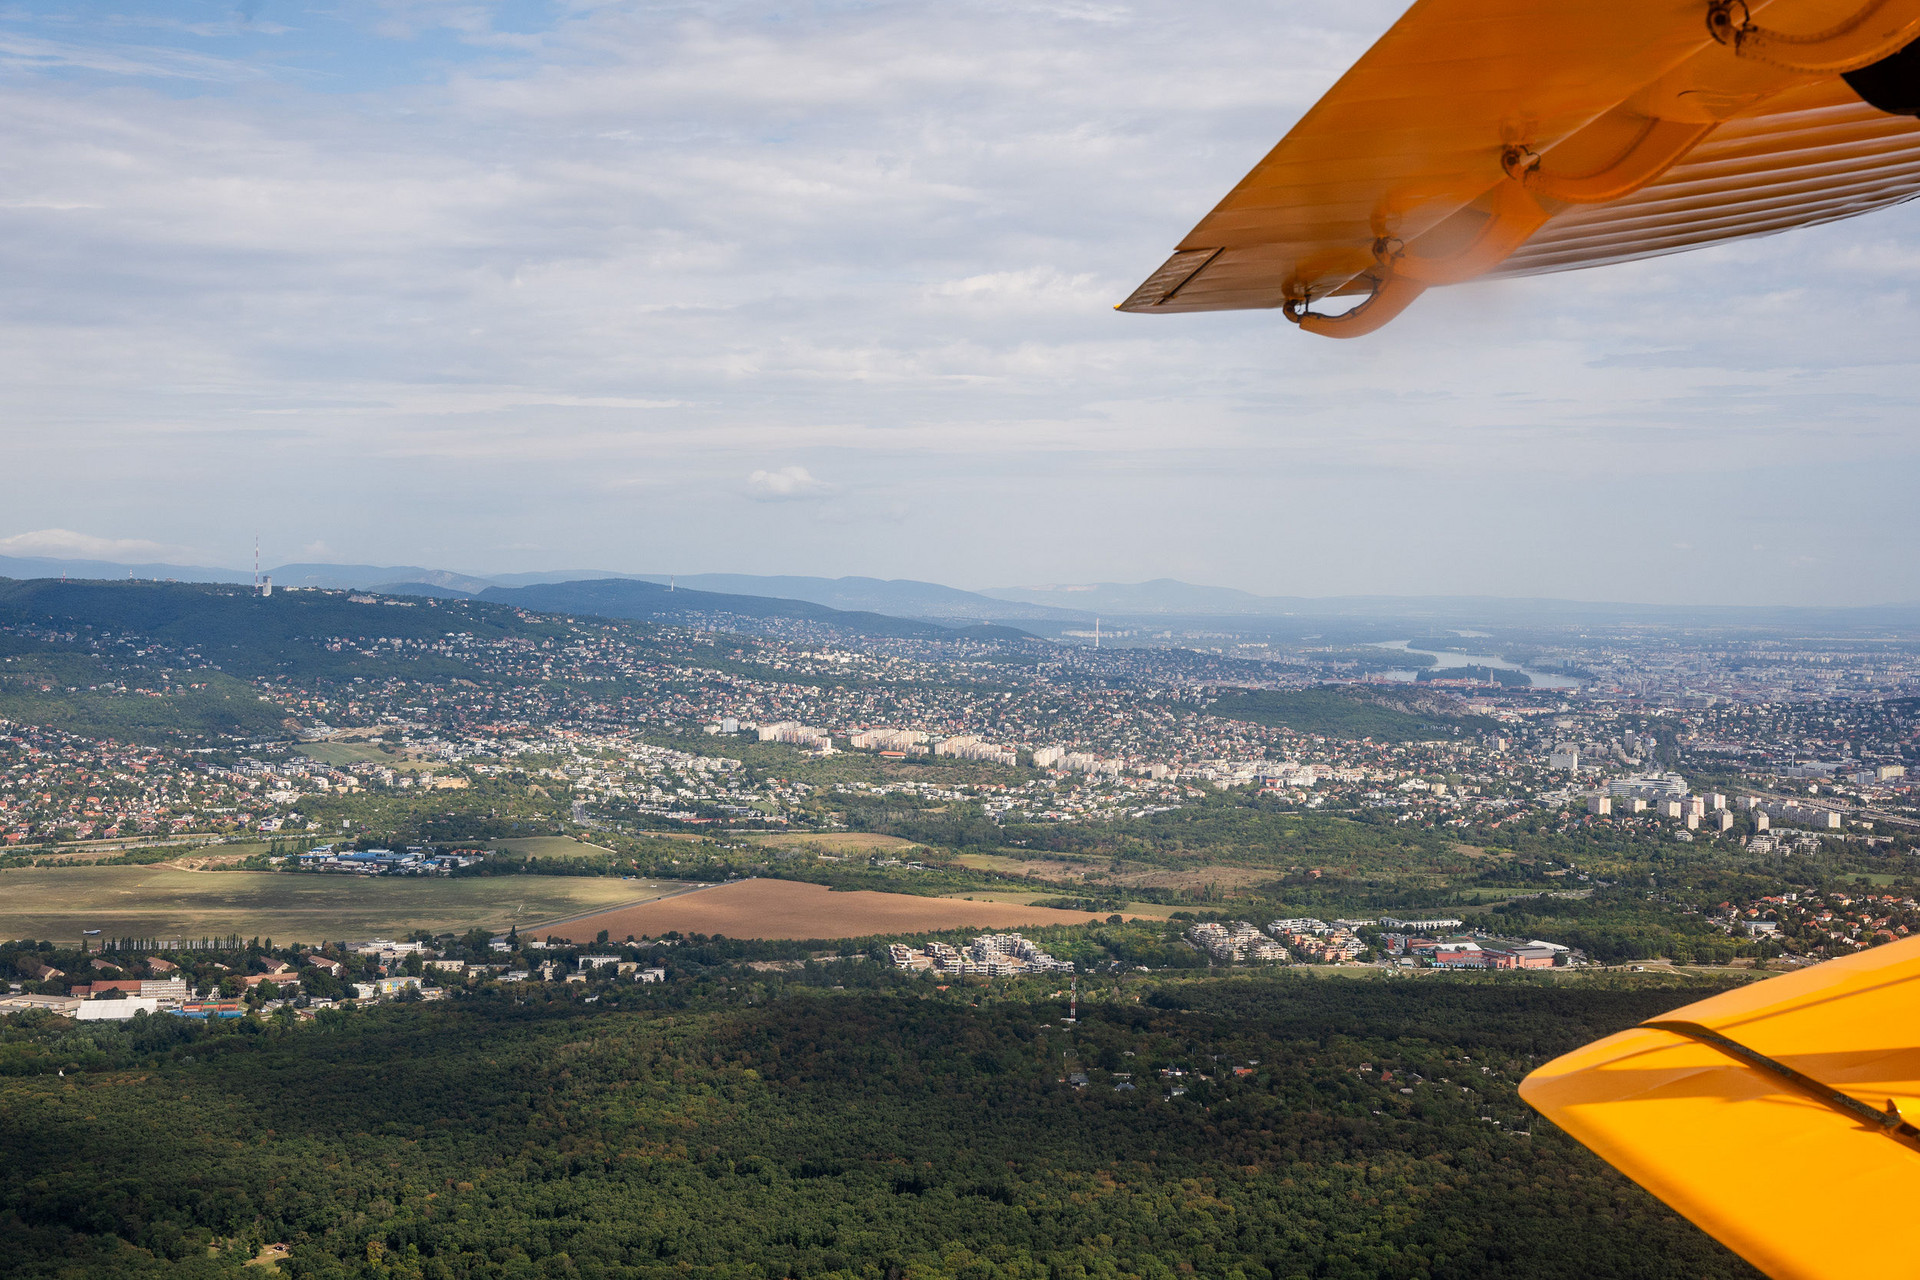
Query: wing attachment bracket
x=1877 y=30
x=1660 y=145
x=1392 y=293
x=1403 y=275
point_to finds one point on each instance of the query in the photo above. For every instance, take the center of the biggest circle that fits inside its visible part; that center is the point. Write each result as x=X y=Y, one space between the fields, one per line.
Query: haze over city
x=827 y=290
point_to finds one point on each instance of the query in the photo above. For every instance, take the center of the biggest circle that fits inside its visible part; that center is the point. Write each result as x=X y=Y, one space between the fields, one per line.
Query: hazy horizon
x=579 y=573
x=828 y=292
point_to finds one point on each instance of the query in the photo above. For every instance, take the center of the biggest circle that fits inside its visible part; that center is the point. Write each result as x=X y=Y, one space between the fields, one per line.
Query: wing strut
x=1890 y=1121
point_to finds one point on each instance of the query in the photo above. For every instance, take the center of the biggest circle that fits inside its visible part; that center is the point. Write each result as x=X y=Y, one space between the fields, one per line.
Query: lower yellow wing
x=1775 y=1117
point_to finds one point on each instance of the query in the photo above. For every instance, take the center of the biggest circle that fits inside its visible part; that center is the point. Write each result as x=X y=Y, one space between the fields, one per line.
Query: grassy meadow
x=840 y=842
x=340 y=754
x=58 y=903
x=547 y=847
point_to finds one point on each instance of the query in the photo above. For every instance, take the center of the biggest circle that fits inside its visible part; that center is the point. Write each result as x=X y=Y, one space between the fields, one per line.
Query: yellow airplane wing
x=1511 y=137
x=1778 y=1118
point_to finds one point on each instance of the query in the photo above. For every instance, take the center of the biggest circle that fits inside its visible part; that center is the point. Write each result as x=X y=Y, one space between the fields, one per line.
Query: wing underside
x=1488 y=138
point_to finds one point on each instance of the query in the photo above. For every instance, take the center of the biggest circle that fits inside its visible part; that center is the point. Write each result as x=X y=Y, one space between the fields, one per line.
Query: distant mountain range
x=338 y=577
x=137 y=601
x=25 y=567
x=656 y=602
x=1046 y=610
x=1185 y=602
x=901 y=596
x=366 y=577
x=1140 y=599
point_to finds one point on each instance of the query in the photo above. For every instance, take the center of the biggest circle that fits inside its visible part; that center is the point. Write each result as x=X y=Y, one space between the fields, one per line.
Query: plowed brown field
x=790 y=909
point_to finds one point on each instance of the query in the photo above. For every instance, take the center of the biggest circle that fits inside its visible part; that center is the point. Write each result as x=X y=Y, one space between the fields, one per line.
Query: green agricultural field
x=58 y=903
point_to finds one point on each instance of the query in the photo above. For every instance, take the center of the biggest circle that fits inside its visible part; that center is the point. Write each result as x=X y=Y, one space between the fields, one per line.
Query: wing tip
x=1173 y=275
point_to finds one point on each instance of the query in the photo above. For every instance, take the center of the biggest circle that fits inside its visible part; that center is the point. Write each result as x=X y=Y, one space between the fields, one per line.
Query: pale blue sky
x=826 y=289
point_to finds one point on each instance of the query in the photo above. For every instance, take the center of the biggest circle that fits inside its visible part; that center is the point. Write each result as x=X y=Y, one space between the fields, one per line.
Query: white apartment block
x=887 y=739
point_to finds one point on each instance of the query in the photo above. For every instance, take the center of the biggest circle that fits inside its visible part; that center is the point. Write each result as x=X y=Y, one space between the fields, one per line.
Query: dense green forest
x=43 y=685
x=748 y=1125
x=653 y=601
x=231 y=636
x=243 y=632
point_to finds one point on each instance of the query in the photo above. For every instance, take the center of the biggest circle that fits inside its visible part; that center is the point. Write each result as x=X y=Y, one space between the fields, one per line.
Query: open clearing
x=792 y=909
x=1216 y=875
x=163 y=902
x=345 y=753
x=838 y=842
x=1145 y=910
x=1098 y=873
x=1040 y=868
x=547 y=846
x=213 y=856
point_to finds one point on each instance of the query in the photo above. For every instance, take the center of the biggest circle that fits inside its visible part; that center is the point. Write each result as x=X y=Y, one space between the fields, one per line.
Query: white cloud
x=784 y=485
x=565 y=285
x=65 y=544
x=22 y=53
x=1034 y=288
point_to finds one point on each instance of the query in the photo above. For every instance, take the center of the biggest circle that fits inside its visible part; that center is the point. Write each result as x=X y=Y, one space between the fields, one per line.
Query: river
x=1448 y=659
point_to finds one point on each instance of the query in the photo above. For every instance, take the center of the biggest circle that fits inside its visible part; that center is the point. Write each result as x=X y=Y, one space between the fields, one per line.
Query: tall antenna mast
x=256 y=564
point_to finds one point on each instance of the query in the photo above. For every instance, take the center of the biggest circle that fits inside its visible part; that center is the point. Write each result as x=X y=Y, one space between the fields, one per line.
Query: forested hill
x=756 y=1127
x=650 y=601
x=79 y=655
x=1342 y=711
x=170 y=661
x=232 y=620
